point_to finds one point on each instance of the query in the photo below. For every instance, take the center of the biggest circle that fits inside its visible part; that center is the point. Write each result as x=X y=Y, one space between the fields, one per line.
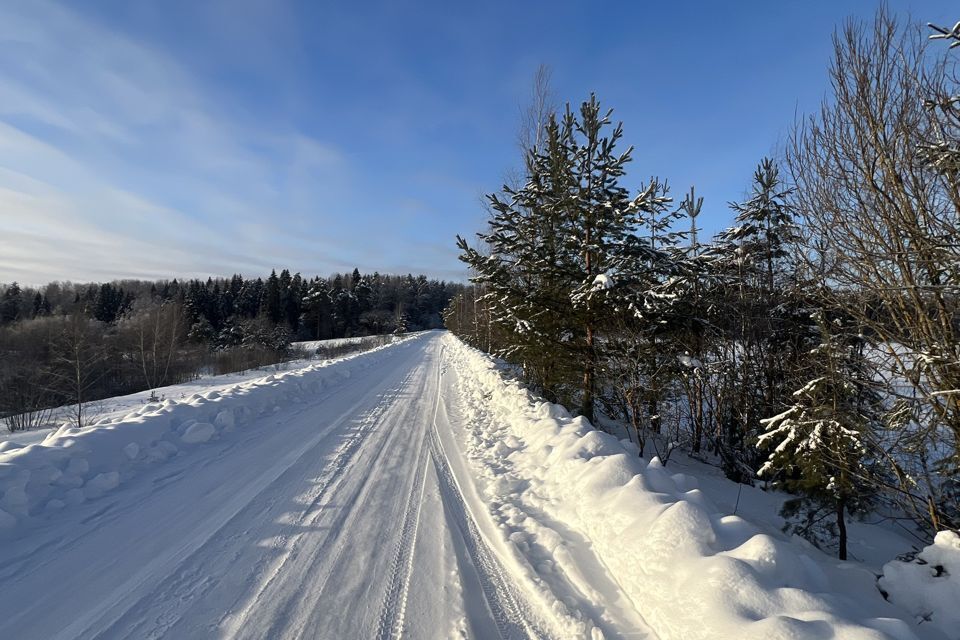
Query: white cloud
x=115 y=161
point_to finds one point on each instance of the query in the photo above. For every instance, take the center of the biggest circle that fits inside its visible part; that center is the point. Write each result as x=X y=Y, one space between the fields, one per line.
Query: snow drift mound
x=72 y=465
x=691 y=570
x=929 y=586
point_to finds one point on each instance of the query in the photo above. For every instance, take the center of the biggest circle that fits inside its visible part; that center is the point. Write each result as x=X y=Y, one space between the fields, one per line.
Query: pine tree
x=697 y=330
x=560 y=248
x=754 y=266
x=943 y=152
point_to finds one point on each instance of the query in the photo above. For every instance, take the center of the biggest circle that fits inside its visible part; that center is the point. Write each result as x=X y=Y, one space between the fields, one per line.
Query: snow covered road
x=348 y=515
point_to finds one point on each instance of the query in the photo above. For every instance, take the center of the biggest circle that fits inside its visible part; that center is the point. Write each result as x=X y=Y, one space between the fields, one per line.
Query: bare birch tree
x=886 y=221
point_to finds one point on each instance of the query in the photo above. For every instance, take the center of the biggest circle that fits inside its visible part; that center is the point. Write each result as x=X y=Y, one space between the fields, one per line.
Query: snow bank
x=313 y=345
x=72 y=466
x=691 y=570
x=929 y=586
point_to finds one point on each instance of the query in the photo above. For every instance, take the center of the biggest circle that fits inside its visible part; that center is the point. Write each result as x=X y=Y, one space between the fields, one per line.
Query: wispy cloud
x=116 y=161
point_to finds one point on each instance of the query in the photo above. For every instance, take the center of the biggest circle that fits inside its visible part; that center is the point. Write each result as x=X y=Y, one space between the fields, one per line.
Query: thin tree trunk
x=653 y=412
x=842 y=528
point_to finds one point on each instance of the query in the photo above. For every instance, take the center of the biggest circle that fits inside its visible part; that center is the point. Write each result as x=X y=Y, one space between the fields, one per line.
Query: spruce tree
x=270 y=298
x=319 y=309
x=819 y=445
x=354 y=278
x=10 y=304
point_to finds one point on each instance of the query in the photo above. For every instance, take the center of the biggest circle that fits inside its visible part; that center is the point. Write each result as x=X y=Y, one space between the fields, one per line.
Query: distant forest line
x=69 y=344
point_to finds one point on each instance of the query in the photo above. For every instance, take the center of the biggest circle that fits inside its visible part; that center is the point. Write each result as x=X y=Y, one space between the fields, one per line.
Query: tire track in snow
x=505 y=604
x=158 y=612
x=330 y=479
x=501 y=597
x=341 y=524
x=393 y=608
x=296 y=617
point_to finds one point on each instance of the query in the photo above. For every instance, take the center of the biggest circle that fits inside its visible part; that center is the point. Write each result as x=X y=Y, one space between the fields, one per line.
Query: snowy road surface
x=352 y=513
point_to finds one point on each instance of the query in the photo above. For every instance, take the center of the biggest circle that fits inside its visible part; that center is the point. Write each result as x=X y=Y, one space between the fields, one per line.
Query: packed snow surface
x=407 y=491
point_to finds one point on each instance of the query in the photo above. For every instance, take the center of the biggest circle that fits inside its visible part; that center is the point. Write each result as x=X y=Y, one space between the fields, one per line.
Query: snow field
x=556 y=485
x=72 y=466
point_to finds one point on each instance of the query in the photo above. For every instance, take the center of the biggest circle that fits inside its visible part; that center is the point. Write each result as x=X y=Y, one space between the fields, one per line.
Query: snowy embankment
x=72 y=466
x=109 y=410
x=313 y=345
x=690 y=569
x=360 y=342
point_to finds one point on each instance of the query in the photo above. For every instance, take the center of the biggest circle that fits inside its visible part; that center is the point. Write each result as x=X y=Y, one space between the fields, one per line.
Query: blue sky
x=179 y=138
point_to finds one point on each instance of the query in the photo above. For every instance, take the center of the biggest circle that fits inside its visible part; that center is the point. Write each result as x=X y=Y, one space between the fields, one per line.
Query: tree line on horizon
x=814 y=344
x=70 y=344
